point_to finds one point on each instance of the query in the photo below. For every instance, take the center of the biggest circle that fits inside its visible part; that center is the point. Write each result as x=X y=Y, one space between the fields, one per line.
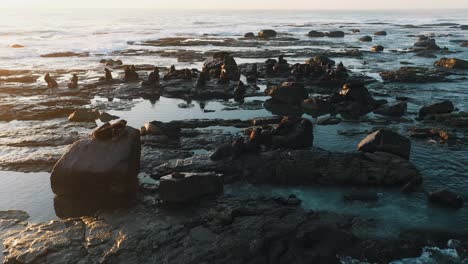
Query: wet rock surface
x=227 y=229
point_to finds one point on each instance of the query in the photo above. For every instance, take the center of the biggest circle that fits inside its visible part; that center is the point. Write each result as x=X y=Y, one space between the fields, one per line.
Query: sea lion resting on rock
x=108 y=131
x=153 y=78
x=130 y=74
x=74 y=82
x=51 y=83
x=291 y=133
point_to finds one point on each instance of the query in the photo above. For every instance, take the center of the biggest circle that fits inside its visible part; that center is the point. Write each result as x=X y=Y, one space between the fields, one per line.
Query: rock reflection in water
x=73 y=206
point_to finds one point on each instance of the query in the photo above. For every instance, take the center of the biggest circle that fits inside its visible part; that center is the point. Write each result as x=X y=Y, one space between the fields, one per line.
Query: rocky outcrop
x=426 y=43
x=335 y=34
x=354 y=100
x=182 y=187
x=107 y=166
x=316 y=34
x=225 y=230
x=436 y=108
x=452 y=63
x=386 y=141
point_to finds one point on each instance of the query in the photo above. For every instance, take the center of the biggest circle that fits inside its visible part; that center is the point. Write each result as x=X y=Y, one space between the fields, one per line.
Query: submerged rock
x=249 y=35
x=444 y=197
x=97 y=166
x=452 y=63
x=413 y=75
x=386 y=141
x=397 y=109
x=186 y=187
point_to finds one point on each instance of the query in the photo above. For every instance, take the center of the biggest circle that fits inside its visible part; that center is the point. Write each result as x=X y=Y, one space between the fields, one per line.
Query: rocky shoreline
x=181 y=214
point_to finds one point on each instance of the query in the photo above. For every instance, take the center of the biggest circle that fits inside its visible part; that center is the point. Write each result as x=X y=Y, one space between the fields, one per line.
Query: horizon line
x=233 y=9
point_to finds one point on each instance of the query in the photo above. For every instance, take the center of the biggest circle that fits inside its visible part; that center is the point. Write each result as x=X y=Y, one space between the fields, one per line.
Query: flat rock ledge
x=225 y=230
x=303 y=167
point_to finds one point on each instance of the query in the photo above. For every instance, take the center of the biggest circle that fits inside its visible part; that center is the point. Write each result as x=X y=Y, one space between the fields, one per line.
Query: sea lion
x=74 y=82
x=51 y=83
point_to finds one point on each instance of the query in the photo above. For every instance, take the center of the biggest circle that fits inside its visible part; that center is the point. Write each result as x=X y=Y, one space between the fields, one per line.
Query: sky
x=239 y=4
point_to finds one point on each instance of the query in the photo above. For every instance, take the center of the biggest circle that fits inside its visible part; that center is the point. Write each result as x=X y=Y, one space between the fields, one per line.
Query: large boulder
x=437 y=108
x=427 y=44
x=95 y=165
x=452 y=63
x=386 y=141
x=185 y=187
x=288 y=92
x=446 y=198
x=267 y=33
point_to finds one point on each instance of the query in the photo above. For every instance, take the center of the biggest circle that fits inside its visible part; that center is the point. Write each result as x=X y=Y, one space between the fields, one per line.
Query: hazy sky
x=240 y=4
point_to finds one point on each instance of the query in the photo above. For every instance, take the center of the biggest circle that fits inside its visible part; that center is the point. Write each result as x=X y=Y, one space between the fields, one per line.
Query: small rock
x=380 y=33
x=378 y=48
x=249 y=35
x=105 y=117
x=366 y=39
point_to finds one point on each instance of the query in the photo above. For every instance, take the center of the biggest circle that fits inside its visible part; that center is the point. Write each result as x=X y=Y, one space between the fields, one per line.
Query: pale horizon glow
x=241 y=4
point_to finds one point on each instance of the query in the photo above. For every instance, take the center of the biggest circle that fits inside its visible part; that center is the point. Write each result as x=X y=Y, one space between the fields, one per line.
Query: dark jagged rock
x=267 y=33
x=78 y=174
x=397 y=109
x=288 y=92
x=187 y=187
x=316 y=34
x=249 y=35
x=51 y=83
x=452 y=63
x=224 y=230
x=437 y=108
x=378 y=48
x=130 y=74
x=380 y=33
x=74 y=82
x=464 y=27
x=106 y=117
x=386 y=141
x=365 y=39
x=446 y=198
x=429 y=133
x=354 y=100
